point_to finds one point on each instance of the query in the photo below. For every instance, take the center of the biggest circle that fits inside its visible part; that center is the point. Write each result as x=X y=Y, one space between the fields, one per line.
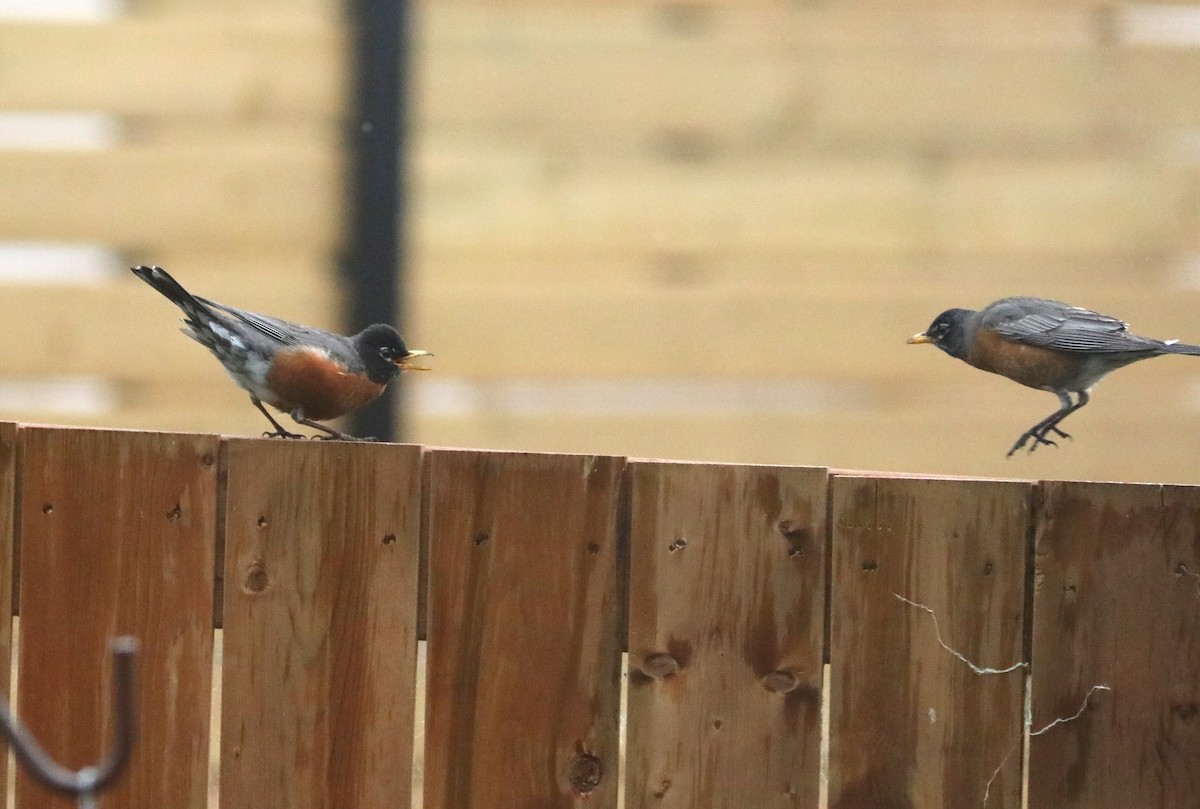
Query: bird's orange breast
x=1036 y=366
x=309 y=379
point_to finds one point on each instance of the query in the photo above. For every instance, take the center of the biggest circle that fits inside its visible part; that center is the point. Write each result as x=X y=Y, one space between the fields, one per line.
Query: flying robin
x=1047 y=345
x=310 y=374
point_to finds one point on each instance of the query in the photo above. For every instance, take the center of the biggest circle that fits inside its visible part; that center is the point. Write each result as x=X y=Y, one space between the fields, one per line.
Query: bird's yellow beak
x=405 y=362
x=918 y=339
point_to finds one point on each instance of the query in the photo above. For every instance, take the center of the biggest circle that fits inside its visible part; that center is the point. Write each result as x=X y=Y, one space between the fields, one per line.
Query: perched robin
x=1046 y=345
x=310 y=374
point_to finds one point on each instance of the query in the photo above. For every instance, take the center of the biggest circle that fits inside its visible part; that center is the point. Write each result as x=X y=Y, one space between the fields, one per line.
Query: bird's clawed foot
x=281 y=433
x=1038 y=435
x=336 y=436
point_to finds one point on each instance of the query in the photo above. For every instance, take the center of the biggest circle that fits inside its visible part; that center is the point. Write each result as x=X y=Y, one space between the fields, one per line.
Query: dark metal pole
x=373 y=262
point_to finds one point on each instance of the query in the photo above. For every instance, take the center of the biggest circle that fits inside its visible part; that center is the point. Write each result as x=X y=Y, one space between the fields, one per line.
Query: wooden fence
x=978 y=634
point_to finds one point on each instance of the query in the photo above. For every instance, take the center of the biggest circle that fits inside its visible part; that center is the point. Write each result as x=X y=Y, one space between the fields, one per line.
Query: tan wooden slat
x=748 y=26
x=1149 y=447
x=976 y=278
x=320 y=624
x=8 y=525
x=505 y=199
x=726 y=635
x=912 y=725
x=219 y=192
x=241 y=65
x=823 y=334
x=1118 y=573
x=118 y=533
x=126 y=330
x=916 y=76
x=524 y=642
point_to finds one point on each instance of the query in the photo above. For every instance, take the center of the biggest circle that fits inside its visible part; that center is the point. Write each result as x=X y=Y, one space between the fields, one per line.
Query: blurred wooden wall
x=704 y=229
x=205 y=137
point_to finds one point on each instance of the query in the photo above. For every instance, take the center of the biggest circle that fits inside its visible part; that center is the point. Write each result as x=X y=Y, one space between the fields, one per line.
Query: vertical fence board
x=8 y=525
x=911 y=725
x=117 y=537
x=320 y=624
x=523 y=649
x=1117 y=605
x=726 y=635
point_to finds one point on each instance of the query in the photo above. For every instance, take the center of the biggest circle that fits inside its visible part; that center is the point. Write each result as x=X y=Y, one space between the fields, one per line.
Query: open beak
x=405 y=362
x=918 y=339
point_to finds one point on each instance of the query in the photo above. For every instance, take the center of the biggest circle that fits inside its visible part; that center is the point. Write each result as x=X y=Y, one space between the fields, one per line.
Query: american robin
x=1046 y=345
x=310 y=374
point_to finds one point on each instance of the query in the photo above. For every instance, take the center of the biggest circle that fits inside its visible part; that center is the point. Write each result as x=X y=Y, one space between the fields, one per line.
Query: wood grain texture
x=524 y=643
x=726 y=635
x=234 y=65
x=911 y=725
x=117 y=537
x=234 y=185
x=1117 y=604
x=788 y=73
x=8 y=526
x=320 y=624
x=673 y=331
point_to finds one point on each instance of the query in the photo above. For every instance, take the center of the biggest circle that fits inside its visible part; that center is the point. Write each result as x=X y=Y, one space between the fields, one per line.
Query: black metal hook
x=89 y=780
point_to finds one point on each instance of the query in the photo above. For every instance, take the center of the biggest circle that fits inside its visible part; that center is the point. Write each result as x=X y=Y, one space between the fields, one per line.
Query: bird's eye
x=387 y=352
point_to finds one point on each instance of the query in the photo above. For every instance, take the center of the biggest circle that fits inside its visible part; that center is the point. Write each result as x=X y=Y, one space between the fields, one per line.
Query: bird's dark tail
x=1182 y=348
x=171 y=289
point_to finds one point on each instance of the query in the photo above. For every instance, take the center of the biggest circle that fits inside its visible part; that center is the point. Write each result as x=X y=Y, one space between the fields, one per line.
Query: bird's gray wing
x=1053 y=324
x=281 y=331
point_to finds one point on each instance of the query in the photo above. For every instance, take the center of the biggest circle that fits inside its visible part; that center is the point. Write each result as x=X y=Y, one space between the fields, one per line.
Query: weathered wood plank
x=911 y=724
x=1117 y=605
x=524 y=645
x=320 y=625
x=117 y=537
x=726 y=635
x=225 y=65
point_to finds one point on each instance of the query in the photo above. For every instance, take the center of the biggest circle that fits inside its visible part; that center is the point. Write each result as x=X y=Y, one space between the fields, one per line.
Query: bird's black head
x=948 y=331
x=384 y=353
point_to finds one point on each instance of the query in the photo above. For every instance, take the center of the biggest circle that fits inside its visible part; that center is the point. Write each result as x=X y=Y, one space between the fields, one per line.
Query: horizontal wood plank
x=978 y=277
x=510 y=195
x=227 y=65
x=763 y=332
x=232 y=188
x=921 y=75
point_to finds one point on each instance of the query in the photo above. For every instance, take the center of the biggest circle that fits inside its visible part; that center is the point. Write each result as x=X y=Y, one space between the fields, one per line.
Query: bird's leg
x=279 y=431
x=1050 y=424
x=330 y=433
